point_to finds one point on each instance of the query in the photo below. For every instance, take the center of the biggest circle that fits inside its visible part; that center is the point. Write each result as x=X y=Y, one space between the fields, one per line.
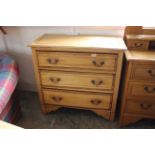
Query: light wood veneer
x=79 y=72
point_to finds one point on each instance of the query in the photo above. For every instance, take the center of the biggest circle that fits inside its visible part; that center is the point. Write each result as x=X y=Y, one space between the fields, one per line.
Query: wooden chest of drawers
x=138 y=97
x=79 y=72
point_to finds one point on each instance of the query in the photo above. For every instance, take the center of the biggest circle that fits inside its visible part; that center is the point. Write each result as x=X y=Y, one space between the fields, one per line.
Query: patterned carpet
x=33 y=118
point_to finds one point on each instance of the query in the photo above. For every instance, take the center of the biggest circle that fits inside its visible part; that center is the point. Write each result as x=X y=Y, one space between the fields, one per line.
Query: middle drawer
x=77 y=80
x=141 y=90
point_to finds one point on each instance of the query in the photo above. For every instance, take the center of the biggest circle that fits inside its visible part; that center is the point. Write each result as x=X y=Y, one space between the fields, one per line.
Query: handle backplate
x=149 y=90
x=52 y=60
x=56 y=98
x=98 y=63
x=151 y=73
x=145 y=106
x=96 y=82
x=96 y=101
x=138 y=44
x=55 y=80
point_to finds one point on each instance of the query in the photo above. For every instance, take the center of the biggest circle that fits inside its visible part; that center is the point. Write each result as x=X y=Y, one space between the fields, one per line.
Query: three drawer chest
x=138 y=94
x=78 y=72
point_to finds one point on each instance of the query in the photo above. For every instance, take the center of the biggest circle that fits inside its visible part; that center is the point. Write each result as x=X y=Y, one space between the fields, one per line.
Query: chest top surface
x=140 y=37
x=79 y=41
x=140 y=55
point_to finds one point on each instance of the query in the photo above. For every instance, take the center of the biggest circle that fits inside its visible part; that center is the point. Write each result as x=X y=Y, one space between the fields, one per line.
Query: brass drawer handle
x=98 y=64
x=52 y=61
x=148 y=90
x=96 y=82
x=138 y=44
x=57 y=98
x=55 y=80
x=151 y=73
x=96 y=101
x=145 y=106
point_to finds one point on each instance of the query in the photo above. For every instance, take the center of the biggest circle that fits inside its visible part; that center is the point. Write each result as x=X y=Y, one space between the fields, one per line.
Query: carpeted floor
x=33 y=118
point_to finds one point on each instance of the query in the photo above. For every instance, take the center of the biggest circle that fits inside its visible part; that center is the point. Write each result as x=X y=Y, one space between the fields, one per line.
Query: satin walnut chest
x=78 y=72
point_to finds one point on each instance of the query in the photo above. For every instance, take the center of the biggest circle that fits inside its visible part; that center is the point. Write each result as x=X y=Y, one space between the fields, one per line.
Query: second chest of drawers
x=138 y=95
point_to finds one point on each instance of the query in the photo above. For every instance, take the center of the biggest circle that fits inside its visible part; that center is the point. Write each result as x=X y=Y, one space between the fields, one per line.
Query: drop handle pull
x=55 y=80
x=138 y=44
x=96 y=101
x=151 y=73
x=57 y=98
x=149 y=90
x=52 y=61
x=98 y=64
x=96 y=82
x=145 y=106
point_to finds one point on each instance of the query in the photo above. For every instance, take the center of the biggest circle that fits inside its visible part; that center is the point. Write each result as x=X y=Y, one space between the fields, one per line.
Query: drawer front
x=141 y=90
x=77 y=80
x=144 y=72
x=137 y=44
x=77 y=99
x=140 y=107
x=77 y=60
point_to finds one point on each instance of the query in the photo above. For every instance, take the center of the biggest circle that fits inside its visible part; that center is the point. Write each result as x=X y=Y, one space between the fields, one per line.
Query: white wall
x=2 y=43
x=18 y=38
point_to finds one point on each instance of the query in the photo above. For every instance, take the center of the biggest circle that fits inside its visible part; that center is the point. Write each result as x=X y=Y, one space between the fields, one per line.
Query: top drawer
x=77 y=60
x=143 y=71
x=137 y=44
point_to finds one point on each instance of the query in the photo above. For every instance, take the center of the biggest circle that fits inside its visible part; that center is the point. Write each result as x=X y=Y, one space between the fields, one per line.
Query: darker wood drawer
x=77 y=99
x=141 y=90
x=137 y=44
x=140 y=107
x=77 y=80
x=143 y=71
x=78 y=60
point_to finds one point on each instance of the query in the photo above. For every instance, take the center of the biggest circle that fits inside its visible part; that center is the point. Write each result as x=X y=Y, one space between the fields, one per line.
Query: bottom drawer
x=140 y=107
x=77 y=99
